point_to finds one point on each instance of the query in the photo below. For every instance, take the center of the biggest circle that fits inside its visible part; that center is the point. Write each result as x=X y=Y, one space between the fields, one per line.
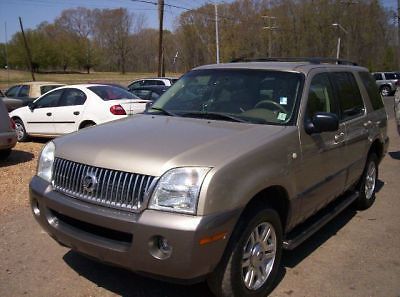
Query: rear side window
x=390 y=76
x=153 y=83
x=372 y=90
x=350 y=100
x=24 y=91
x=72 y=97
x=111 y=93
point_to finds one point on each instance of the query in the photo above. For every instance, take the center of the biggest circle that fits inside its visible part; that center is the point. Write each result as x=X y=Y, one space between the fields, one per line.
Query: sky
x=34 y=12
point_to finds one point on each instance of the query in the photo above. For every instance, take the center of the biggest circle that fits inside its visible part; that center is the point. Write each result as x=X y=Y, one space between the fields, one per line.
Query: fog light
x=35 y=208
x=160 y=248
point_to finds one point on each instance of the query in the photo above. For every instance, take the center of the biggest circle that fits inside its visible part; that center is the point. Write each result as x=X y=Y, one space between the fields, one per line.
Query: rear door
x=68 y=113
x=39 y=120
x=322 y=174
x=353 y=115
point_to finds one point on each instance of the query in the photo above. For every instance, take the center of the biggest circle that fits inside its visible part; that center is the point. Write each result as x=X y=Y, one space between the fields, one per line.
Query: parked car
x=24 y=93
x=387 y=82
x=70 y=108
x=149 y=92
x=8 y=138
x=233 y=164
x=397 y=108
x=156 y=81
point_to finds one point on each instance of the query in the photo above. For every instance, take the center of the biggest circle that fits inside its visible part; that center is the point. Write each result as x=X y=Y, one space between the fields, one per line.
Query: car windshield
x=111 y=93
x=242 y=95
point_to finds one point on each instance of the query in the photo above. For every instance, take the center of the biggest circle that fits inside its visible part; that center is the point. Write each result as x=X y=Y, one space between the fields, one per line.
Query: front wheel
x=367 y=184
x=252 y=259
x=21 y=132
x=385 y=91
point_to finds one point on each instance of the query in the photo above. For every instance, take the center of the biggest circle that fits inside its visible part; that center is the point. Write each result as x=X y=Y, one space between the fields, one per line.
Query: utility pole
x=160 y=37
x=271 y=26
x=6 y=53
x=216 y=31
x=398 y=33
x=28 y=52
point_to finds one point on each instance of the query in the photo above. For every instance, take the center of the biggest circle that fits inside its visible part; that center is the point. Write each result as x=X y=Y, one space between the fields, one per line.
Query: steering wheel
x=270 y=102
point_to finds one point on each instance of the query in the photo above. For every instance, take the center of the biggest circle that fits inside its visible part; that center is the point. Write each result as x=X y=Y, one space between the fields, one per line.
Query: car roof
x=302 y=67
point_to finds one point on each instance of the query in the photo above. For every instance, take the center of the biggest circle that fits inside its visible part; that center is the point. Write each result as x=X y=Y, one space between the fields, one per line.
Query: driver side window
x=49 y=100
x=320 y=96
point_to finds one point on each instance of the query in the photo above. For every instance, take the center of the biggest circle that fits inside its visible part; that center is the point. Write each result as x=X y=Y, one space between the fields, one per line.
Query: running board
x=299 y=234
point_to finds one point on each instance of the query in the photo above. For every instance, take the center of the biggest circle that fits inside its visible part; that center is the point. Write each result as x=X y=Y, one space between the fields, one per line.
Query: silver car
x=387 y=82
x=8 y=137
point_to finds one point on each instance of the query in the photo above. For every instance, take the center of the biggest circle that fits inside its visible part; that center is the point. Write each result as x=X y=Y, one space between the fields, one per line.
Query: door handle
x=339 y=137
x=367 y=124
x=76 y=112
x=48 y=114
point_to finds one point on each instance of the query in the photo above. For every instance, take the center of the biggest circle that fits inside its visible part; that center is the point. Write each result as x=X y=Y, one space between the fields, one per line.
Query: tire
x=385 y=91
x=367 y=184
x=22 y=136
x=87 y=125
x=4 y=154
x=233 y=276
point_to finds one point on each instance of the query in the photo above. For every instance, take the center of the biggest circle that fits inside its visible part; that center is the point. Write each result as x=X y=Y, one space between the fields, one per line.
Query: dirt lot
x=357 y=254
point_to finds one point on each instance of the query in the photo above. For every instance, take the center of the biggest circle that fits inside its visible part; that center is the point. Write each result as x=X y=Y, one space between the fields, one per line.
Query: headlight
x=178 y=190
x=46 y=160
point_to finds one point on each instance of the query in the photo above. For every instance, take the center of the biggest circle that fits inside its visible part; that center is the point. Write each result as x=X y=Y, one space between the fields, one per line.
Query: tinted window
x=144 y=94
x=111 y=93
x=12 y=92
x=49 y=100
x=255 y=96
x=72 y=97
x=372 y=90
x=378 y=76
x=24 y=91
x=45 y=89
x=153 y=83
x=351 y=103
x=390 y=75
x=135 y=84
x=154 y=96
x=320 y=96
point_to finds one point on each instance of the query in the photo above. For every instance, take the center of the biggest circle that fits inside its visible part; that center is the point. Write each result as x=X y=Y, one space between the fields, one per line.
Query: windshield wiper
x=214 y=115
x=164 y=111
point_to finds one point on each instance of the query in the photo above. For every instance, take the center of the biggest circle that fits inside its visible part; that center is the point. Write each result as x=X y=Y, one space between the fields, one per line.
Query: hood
x=150 y=144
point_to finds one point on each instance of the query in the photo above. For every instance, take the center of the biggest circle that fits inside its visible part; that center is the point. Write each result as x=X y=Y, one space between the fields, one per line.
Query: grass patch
x=16 y=76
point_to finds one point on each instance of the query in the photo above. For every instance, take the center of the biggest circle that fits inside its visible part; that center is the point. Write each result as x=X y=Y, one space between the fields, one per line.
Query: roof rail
x=304 y=59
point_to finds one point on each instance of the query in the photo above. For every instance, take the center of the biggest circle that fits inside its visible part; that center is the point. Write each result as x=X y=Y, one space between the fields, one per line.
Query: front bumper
x=124 y=239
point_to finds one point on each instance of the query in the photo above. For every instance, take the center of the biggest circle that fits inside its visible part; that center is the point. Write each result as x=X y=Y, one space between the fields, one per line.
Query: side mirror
x=322 y=122
x=31 y=106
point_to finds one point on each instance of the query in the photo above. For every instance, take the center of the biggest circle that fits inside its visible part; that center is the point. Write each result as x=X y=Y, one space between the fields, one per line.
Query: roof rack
x=308 y=60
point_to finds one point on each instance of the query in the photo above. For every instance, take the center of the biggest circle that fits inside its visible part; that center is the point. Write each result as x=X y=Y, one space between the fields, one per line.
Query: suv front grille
x=106 y=187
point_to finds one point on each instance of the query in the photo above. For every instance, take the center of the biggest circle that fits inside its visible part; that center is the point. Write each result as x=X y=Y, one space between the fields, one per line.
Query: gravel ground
x=355 y=255
x=15 y=174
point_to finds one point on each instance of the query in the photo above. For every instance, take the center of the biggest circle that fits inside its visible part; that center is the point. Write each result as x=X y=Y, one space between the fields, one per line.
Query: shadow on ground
x=126 y=283
x=16 y=157
x=395 y=155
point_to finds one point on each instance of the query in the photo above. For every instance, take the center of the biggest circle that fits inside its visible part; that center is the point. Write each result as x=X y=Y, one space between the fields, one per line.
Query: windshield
x=112 y=93
x=255 y=96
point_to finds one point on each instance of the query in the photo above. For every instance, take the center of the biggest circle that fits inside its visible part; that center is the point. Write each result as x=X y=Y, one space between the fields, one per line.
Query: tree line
x=83 y=39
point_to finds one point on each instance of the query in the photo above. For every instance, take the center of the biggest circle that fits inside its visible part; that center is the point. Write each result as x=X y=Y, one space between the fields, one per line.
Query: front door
x=322 y=175
x=39 y=120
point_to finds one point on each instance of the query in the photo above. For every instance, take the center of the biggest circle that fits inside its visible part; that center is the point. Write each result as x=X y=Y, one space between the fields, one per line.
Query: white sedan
x=70 y=108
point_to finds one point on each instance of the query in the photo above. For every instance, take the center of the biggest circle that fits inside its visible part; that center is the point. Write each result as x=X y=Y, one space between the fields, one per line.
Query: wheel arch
x=85 y=122
x=275 y=197
x=377 y=148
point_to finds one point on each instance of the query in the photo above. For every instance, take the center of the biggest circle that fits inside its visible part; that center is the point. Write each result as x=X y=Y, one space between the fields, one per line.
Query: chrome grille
x=115 y=189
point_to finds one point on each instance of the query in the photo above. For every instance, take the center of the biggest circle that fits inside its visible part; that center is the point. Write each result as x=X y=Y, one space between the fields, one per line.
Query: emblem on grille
x=89 y=182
